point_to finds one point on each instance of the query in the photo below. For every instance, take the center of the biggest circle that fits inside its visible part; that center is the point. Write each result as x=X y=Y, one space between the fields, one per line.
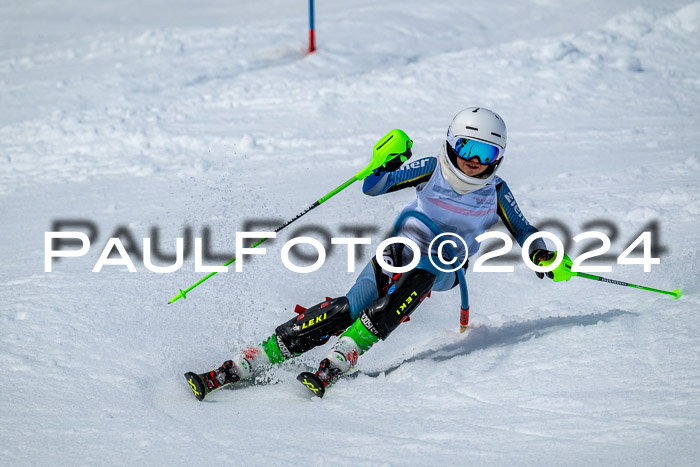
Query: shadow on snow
x=484 y=337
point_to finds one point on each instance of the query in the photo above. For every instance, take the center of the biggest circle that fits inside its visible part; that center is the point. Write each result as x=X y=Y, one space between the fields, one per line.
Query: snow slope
x=176 y=114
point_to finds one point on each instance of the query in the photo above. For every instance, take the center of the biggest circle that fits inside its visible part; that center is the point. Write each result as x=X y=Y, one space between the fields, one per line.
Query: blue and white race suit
x=467 y=215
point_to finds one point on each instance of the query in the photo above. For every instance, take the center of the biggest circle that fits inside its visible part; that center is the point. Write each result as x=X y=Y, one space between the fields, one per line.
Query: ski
x=204 y=383
x=313 y=383
x=197 y=386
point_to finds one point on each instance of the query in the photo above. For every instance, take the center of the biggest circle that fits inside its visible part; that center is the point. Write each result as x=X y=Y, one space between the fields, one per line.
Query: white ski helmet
x=465 y=137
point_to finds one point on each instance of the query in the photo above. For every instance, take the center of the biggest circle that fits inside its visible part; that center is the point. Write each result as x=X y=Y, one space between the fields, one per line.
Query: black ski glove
x=396 y=162
x=542 y=255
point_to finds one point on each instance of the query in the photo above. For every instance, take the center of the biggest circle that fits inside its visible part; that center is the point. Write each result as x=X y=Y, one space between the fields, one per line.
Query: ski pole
x=675 y=294
x=563 y=272
x=394 y=144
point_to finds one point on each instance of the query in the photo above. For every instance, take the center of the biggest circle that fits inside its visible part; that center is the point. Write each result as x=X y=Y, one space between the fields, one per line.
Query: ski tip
x=196 y=385
x=312 y=383
x=677 y=294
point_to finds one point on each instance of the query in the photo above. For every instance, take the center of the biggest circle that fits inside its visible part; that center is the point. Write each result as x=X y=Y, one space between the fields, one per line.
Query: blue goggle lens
x=469 y=148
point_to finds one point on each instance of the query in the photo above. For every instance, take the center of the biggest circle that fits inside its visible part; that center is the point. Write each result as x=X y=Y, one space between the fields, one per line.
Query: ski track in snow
x=128 y=117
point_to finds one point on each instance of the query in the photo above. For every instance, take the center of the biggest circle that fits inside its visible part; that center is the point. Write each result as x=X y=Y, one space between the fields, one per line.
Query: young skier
x=459 y=191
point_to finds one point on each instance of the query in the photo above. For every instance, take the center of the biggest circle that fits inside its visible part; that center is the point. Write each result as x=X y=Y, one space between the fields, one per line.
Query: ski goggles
x=466 y=148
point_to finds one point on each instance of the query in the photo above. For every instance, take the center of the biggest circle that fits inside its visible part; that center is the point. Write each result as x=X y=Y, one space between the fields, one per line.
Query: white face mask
x=459 y=182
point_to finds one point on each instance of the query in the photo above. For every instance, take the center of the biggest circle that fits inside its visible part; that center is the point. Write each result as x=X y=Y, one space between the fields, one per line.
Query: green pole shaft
x=392 y=145
x=338 y=190
x=183 y=293
x=676 y=293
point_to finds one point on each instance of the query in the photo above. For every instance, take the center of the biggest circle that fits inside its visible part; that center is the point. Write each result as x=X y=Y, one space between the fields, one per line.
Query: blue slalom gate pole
x=312 y=45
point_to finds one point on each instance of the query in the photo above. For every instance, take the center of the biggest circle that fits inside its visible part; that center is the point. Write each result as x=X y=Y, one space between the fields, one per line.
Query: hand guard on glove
x=561 y=273
x=542 y=255
x=395 y=163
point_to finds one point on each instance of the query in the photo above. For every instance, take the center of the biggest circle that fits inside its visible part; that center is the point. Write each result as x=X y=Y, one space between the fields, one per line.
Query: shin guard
x=313 y=327
x=386 y=313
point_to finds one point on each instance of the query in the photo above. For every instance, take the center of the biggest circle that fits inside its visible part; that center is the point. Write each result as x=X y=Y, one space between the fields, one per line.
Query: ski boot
x=326 y=375
x=341 y=358
x=205 y=383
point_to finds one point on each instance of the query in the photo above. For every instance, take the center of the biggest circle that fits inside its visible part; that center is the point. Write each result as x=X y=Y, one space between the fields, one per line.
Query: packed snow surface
x=167 y=119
